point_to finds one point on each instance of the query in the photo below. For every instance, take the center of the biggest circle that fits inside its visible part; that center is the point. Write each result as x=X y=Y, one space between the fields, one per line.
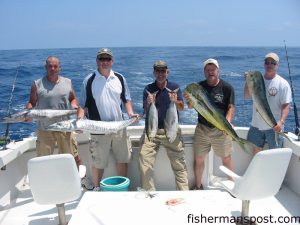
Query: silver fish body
x=171 y=122
x=38 y=114
x=91 y=126
x=151 y=125
x=208 y=110
x=256 y=86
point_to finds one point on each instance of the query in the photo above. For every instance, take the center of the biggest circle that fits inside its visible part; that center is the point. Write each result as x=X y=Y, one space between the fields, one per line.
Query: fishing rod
x=297 y=130
x=5 y=139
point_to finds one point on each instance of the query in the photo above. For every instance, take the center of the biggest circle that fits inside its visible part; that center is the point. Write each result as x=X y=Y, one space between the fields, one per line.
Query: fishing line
x=5 y=139
x=297 y=130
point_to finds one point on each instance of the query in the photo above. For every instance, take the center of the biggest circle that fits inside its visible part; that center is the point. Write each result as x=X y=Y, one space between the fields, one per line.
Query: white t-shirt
x=278 y=92
x=106 y=93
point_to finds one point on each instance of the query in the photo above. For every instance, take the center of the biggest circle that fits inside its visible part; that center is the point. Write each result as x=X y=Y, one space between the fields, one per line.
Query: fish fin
x=154 y=93
x=276 y=138
x=264 y=119
x=246 y=145
x=286 y=136
x=169 y=90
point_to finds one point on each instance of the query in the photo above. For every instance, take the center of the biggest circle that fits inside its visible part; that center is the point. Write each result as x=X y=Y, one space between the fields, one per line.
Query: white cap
x=211 y=61
x=272 y=55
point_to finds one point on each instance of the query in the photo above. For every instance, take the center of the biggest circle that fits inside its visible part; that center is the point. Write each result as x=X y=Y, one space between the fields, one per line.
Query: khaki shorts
x=175 y=152
x=100 y=146
x=206 y=138
x=47 y=140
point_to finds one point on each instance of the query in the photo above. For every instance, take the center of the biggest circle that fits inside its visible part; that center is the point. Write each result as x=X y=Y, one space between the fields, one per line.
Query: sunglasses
x=160 y=70
x=270 y=63
x=104 y=59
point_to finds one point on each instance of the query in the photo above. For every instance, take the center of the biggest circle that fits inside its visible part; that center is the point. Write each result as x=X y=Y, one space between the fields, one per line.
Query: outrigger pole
x=297 y=130
x=5 y=140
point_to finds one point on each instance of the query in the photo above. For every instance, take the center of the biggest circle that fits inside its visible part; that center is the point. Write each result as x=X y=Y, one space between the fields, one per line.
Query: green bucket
x=115 y=183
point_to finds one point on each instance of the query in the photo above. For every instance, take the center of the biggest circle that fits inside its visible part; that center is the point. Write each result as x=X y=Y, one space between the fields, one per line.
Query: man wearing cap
x=102 y=95
x=279 y=97
x=149 y=148
x=206 y=135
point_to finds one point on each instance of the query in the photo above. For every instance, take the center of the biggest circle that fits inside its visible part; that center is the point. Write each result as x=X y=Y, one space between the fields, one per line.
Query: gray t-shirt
x=52 y=96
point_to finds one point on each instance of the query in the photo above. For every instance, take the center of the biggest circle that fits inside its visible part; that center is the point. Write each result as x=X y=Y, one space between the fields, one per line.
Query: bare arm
x=230 y=113
x=285 y=109
x=33 y=97
x=179 y=103
x=247 y=94
x=72 y=99
x=189 y=104
x=80 y=113
x=129 y=109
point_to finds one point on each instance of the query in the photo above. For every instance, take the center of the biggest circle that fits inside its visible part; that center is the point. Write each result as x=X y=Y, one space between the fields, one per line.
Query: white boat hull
x=15 y=197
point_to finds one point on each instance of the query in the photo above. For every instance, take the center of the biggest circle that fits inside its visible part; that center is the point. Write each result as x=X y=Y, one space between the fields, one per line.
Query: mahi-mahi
x=256 y=86
x=203 y=105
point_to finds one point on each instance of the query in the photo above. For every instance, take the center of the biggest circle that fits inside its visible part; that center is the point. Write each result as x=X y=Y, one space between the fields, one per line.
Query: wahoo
x=38 y=114
x=256 y=86
x=171 y=120
x=203 y=105
x=151 y=123
x=91 y=126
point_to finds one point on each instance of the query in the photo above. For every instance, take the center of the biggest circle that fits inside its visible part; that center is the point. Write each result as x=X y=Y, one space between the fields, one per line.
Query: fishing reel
x=3 y=142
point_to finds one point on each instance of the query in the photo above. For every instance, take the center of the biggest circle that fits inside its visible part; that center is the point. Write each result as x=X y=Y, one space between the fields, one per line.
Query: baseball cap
x=160 y=64
x=104 y=51
x=211 y=61
x=272 y=55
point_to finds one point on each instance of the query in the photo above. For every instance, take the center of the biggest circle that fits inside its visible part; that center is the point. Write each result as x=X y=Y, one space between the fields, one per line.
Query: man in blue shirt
x=149 y=148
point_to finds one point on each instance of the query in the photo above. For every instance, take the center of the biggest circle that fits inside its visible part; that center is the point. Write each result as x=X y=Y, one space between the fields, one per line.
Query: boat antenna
x=297 y=130
x=5 y=140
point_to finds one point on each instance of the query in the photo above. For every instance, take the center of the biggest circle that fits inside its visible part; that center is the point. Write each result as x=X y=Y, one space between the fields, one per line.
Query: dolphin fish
x=256 y=86
x=202 y=104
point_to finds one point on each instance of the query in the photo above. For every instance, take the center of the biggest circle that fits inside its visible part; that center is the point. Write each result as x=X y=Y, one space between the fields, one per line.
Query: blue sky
x=34 y=24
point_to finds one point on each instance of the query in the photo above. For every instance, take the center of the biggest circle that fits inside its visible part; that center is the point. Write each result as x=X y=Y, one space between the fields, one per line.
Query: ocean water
x=135 y=63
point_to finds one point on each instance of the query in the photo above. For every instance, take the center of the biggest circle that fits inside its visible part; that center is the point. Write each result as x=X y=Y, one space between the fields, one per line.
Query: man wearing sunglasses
x=279 y=97
x=162 y=92
x=102 y=94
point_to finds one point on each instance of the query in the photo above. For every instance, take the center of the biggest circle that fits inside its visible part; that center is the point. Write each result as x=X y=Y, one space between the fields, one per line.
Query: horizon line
x=158 y=46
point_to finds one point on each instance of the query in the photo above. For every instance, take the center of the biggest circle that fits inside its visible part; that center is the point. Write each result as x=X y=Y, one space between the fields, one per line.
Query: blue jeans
x=260 y=137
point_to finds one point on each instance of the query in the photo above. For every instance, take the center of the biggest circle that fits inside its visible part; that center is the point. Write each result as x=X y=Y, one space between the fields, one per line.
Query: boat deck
x=136 y=208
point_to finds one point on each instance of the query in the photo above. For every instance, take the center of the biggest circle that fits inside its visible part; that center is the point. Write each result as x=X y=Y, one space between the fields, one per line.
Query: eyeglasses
x=160 y=70
x=270 y=63
x=104 y=59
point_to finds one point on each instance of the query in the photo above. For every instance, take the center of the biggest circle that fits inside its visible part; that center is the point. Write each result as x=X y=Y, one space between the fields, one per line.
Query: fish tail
x=286 y=136
x=246 y=145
